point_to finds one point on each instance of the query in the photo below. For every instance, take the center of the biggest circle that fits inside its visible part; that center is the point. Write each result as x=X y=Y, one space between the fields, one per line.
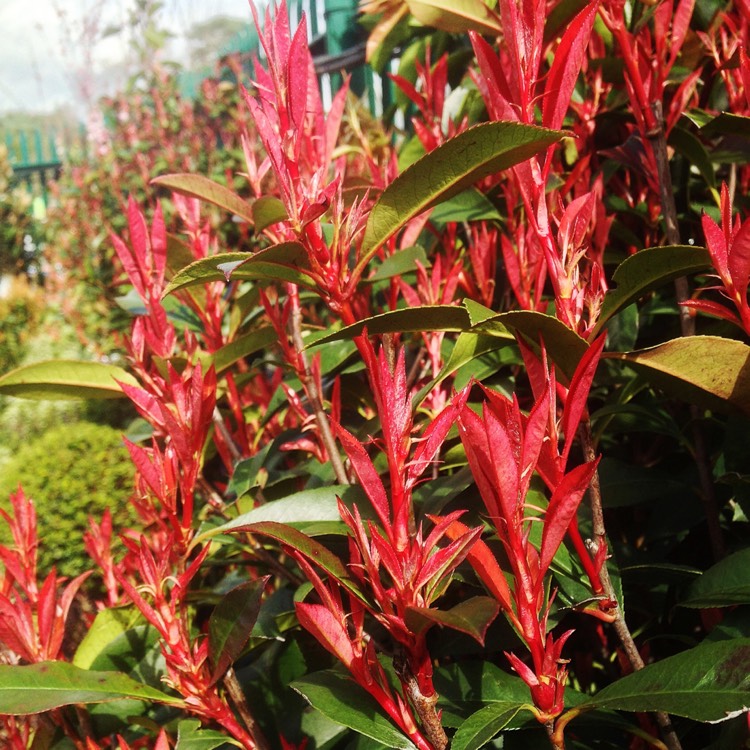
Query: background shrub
x=72 y=472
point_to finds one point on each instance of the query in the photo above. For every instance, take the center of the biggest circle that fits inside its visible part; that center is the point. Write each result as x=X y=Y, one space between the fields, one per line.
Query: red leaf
x=431 y=441
x=367 y=475
x=46 y=610
x=298 y=79
x=492 y=83
x=712 y=308
x=445 y=561
x=580 y=385
x=333 y=120
x=331 y=634
x=472 y=617
x=503 y=440
x=717 y=245
x=680 y=27
x=562 y=507
x=566 y=65
x=533 y=439
x=474 y=439
x=485 y=564
x=739 y=259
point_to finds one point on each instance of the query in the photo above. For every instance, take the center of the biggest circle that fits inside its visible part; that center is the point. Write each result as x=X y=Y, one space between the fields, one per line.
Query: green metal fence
x=36 y=161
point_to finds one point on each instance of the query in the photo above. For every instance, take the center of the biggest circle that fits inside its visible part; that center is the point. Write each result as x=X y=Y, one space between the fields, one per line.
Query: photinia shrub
x=444 y=451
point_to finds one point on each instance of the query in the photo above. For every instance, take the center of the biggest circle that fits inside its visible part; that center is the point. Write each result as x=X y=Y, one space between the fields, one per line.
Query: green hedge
x=71 y=472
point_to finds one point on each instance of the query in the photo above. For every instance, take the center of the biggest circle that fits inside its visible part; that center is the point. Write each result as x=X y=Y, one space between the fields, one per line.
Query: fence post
x=342 y=33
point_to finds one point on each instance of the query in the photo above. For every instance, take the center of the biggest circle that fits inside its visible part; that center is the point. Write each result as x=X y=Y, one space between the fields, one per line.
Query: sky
x=38 y=60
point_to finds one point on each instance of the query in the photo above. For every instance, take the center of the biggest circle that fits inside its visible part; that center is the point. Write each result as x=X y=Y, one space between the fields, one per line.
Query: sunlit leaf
x=244 y=346
x=411 y=319
x=268 y=210
x=108 y=625
x=317 y=504
x=61 y=380
x=647 y=270
x=706 y=369
x=480 y=151
x=198 y=186
x=284 y=262
x=400 y=263
x=456 y=16
x=34 y=688
x=710 y=682
x=472 y=617
x=564 y=346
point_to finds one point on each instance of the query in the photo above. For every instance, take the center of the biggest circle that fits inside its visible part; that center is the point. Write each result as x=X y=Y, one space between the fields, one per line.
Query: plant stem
x=311 y=387
x=423 y=704
x=658 y=140
x=221 y=428
x=619 y=624
x=555 y=738
x=238 y=698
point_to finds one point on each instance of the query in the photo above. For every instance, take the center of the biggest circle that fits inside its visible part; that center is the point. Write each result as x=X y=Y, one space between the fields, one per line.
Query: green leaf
x=689 y=146
x=62 y=380
x=470 y=205
x=484 y=725
x=708 y=683
x=197 y=186
x=107 y=626
x=268 y=210
x=231 y=623
x=304 y=545
x=727 y=124
x=706 y=369
x=647 y=270
x=446 y=171
x=340 y=699
x=624 y=484
x=190 y=736
x=307 y=506
x=472 y=617
x=283 y=262
x=243 y=346
x=400 y=263
x=723 y=585
x=468 y=347
x=564 y=346
x=35 y=688
x=412 y=319
x=467 y=687
x=456 y=16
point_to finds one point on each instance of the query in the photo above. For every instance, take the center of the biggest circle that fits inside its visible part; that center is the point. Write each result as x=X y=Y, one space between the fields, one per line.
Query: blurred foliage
x=148 y=130
x=15 y=218
x=20 y=314
x=72 y=471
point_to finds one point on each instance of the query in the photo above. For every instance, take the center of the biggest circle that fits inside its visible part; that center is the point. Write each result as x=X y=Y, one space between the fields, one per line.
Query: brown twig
x=231 y=683
x=221 y=428
x=423 y=704
x=620 y=626
x=658 y=141
x=313 y=394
